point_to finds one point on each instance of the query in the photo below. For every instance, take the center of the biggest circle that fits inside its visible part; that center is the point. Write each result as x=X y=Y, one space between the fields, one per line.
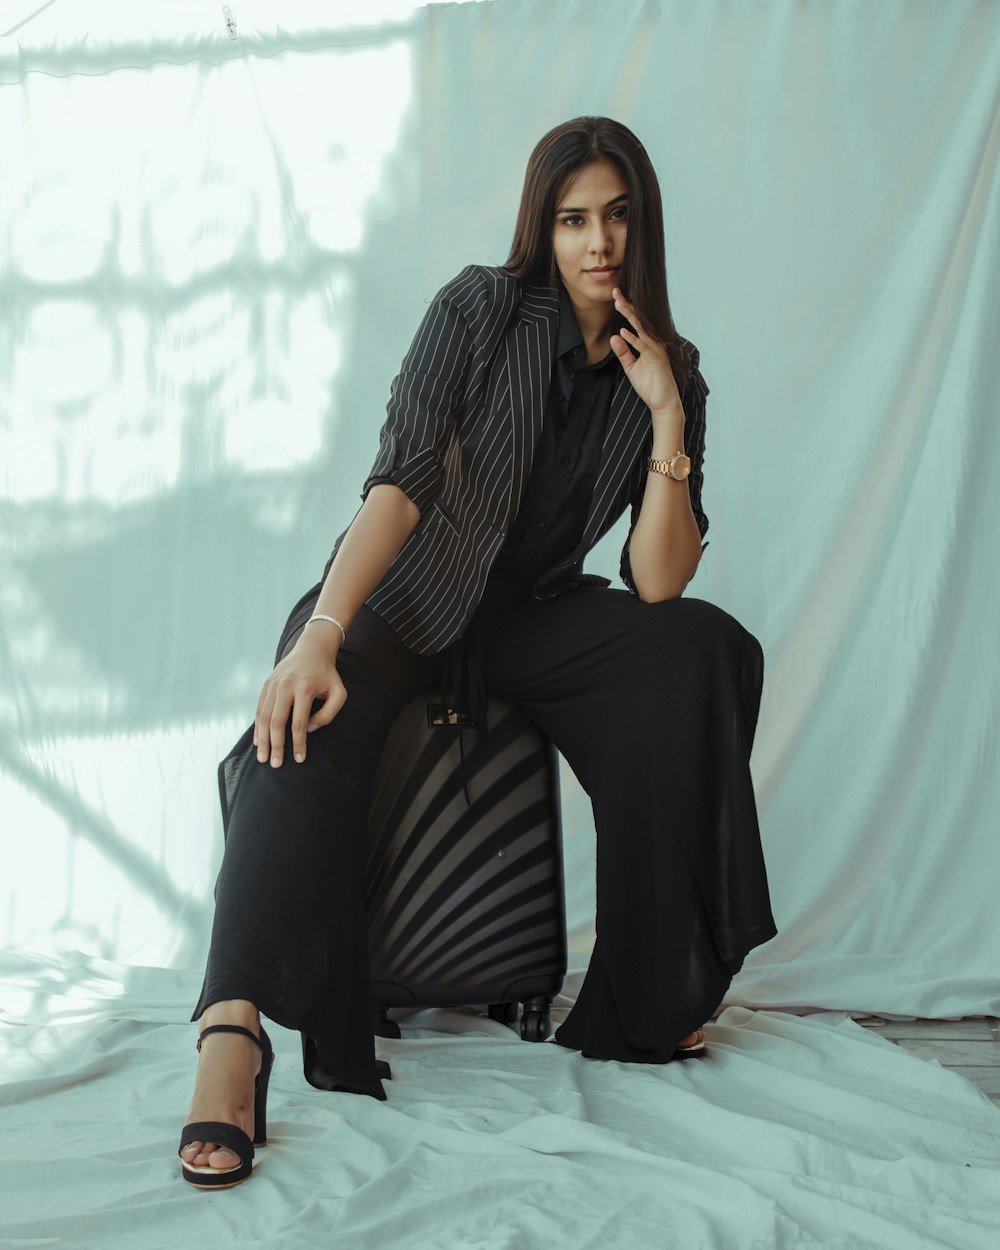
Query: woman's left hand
x=650 y=373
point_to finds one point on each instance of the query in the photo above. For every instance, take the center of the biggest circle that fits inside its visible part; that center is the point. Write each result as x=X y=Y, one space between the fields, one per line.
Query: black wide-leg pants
x=653 y=706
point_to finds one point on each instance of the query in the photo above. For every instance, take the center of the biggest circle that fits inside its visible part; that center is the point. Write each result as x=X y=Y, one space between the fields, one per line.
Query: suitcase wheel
x=536 y=1022
x=382 y=1025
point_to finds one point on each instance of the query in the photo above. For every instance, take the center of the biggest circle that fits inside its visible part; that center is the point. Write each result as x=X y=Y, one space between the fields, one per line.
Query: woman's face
x=589 y=233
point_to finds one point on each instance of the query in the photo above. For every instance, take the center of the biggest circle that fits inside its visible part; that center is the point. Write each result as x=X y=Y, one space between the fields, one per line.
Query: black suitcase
x=464 y=891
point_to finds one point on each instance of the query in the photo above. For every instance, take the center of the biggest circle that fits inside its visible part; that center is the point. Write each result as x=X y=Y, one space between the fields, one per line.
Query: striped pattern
x=463 y=419
x=463 y=884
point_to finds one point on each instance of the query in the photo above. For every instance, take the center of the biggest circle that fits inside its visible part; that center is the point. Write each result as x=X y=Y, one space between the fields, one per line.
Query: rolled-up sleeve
x=426 y=397
x=693 y=402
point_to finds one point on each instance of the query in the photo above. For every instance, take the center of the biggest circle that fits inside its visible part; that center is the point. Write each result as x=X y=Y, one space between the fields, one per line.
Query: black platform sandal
x=228 y=1135
x=697 y=1051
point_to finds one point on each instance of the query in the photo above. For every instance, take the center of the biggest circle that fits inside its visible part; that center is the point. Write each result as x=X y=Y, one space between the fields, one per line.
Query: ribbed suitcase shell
x=464 y=896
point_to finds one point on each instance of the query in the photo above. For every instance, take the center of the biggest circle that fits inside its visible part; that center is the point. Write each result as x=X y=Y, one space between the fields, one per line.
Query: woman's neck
x=596 y=322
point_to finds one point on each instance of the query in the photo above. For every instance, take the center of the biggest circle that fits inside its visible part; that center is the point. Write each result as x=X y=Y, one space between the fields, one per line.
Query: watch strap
x=666 y=467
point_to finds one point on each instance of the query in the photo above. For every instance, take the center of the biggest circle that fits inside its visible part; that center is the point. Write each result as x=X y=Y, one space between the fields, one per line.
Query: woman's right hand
x=308 y=672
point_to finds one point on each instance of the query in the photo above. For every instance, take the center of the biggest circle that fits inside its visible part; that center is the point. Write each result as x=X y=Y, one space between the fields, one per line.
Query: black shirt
x=556 y=499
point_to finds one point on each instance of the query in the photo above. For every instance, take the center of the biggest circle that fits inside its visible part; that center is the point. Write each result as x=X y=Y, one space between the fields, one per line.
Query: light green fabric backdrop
x=212 y=264
x=213 y=254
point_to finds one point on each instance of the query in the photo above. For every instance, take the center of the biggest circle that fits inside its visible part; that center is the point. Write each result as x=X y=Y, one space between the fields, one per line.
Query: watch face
x=682 y=467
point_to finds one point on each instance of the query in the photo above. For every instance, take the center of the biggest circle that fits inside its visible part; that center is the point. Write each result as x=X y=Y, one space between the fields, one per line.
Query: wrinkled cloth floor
x=795 y=1131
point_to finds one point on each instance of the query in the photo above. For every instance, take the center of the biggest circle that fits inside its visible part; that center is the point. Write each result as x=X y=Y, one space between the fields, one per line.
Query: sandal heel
x=260 y=1094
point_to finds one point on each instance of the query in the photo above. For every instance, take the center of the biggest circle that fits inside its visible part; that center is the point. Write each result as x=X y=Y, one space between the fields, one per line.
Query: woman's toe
x=222 y=1157
x=207 y=1154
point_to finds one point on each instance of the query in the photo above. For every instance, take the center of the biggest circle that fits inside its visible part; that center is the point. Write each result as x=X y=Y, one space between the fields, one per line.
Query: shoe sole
x=190 y=1170
x=697 y=1051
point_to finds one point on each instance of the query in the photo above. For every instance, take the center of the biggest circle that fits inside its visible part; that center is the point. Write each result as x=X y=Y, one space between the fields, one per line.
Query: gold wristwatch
x=677 y=467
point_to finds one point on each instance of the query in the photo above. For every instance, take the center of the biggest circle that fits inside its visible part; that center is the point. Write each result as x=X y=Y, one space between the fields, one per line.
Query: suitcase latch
x=442 y=714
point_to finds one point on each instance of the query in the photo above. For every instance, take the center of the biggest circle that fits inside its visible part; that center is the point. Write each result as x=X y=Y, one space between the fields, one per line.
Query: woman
x=538 y=400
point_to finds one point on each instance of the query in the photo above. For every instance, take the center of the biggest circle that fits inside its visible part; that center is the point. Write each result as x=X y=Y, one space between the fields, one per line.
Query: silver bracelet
x=319 y=616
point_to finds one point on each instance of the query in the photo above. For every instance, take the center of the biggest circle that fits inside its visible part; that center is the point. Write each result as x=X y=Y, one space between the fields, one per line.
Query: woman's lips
x=603 y=273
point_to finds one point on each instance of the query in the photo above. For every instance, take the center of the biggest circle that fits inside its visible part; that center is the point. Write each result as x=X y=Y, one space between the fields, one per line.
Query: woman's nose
x=600 y=241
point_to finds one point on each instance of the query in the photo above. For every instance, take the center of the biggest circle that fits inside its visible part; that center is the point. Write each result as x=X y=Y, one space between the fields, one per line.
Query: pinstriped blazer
x=463 y=419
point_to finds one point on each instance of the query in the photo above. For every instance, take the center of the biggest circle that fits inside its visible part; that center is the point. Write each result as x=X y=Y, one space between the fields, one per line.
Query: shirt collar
x=569 y=335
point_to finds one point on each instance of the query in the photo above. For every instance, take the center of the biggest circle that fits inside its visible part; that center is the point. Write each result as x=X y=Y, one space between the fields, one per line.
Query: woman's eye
x=574 y=217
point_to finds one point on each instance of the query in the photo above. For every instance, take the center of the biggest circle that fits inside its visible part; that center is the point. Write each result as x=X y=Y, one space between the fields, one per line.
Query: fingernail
x=275 y=761
x=299 y=758
x=260 y=756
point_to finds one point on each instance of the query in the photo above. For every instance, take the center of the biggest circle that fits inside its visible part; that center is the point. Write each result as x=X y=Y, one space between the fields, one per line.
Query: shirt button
x=540 y=524
x=564 y=460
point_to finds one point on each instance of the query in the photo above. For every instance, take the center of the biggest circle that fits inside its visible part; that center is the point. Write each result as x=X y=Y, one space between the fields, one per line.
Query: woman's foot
x=228 y=1065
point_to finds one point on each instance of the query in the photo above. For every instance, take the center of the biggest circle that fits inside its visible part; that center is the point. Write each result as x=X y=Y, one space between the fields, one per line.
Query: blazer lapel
x=530 y=352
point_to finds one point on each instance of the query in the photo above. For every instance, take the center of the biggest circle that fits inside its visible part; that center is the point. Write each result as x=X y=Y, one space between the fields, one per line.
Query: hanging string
x=463 y=688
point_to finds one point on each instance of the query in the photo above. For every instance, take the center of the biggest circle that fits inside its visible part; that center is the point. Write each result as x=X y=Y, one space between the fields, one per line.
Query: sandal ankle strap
x=229 y=1028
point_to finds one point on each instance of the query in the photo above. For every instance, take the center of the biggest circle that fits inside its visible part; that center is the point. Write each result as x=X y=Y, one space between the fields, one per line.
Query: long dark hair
x=557 y=156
